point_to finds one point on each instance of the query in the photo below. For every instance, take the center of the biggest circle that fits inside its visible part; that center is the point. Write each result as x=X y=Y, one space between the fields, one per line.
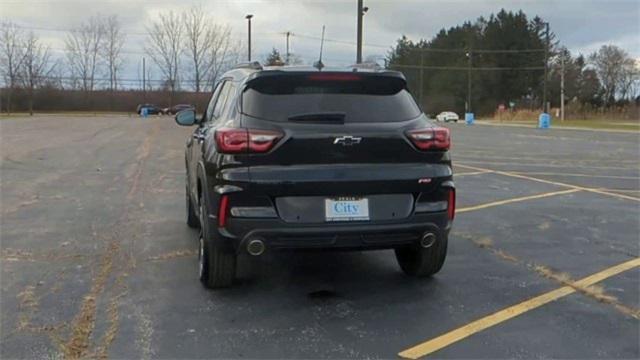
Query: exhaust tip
x=255 y=247
x=428 y=240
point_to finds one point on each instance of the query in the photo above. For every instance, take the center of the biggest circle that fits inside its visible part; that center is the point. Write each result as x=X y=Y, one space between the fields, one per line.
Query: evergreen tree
x=496 y=77
x=274 y=58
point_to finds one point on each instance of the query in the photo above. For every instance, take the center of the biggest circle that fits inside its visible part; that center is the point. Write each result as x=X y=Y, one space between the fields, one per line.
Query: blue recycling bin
x=468 y=118
x=144 y=112
x=544 y=121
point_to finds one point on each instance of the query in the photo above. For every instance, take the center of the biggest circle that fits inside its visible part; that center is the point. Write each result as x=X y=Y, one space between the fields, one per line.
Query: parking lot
x=97 y=260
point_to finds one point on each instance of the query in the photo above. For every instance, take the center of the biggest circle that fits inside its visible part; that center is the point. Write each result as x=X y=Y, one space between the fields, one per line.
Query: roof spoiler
x=254 y=65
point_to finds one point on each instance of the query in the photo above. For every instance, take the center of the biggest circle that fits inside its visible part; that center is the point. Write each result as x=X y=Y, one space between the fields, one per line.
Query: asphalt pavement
x=97 y=260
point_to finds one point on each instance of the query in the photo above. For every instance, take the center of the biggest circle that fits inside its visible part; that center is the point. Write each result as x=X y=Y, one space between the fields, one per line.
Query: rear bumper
x=276 y=234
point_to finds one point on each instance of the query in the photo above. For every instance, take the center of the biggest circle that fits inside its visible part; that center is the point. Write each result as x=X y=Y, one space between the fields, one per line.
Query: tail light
x=238 y=140
x=431 y=138
x=222 y=211
x=451 y=207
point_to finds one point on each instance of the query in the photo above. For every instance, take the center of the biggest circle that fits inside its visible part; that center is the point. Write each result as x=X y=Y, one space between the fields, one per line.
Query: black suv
x=297 y=158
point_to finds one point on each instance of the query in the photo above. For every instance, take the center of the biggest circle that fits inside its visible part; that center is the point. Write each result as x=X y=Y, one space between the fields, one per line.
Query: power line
x=270 y=34
x=466 y=68
x=312 y=37
x=129 y=33
x=463 y=50
x=338 y=41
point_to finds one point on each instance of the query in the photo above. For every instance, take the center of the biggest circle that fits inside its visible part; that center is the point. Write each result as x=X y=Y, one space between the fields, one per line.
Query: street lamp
x=248 y=17
x=545 y=107
x=469 y=59
x=361 y=11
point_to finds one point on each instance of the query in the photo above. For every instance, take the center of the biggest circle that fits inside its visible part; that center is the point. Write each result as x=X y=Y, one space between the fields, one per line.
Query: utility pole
x=288 y=34
x=469 y=55
x=144 y=82
x=562 y=87
x=421 y=79
x=359 y=34
x=248 y=17
x=546 y=70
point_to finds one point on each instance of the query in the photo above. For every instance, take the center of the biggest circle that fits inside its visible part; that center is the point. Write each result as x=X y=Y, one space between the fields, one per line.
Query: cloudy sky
x=581 y=25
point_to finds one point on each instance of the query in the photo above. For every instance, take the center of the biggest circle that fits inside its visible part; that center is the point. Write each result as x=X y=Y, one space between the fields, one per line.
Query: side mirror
x=186 y=117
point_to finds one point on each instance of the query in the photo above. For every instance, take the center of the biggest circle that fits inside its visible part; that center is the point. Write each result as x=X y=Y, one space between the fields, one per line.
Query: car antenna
x=319 y=65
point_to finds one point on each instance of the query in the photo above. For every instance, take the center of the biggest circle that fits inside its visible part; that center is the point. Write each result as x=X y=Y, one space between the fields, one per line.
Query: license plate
x=346 y=209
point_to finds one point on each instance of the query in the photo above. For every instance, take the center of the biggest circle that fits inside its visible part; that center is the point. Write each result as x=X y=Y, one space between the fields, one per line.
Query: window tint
x=359 y=98
x=212 y=102
x=222 y=99
x=230 y=99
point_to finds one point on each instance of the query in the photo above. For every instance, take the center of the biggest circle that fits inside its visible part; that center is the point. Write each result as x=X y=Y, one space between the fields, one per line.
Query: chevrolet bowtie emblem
x=347 y=140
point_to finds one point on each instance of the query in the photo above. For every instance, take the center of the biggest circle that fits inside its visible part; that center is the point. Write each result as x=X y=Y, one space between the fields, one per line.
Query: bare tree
x=295 y=59
x=36 y=67
x=609 y=64
x=198 y=28
x=83 y=49
x=165 y=47
x=111 y=52
x=629 y=78
x=11 y=57
x=224 y=53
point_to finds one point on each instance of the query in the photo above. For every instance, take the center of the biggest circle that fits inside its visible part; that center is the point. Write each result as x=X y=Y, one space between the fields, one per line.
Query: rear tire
x=417 y=261
x=216 y=265
x=192 y=218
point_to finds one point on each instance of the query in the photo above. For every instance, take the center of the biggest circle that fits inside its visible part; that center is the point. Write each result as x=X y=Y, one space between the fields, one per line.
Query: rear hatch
x=341 y=140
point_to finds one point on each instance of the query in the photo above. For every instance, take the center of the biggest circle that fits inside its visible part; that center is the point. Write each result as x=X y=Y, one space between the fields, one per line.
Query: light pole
x=469 y=55
x=248 y=17
x=361 y=11
x=546 y=70
x=288 y=33
x=562 y=88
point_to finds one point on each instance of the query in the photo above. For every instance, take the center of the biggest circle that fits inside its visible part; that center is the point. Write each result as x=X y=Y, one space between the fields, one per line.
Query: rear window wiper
x=321 y=117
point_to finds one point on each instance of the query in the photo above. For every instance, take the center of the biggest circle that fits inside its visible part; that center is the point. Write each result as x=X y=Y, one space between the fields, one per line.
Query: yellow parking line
x=557 y=183
x=509 y=201
x=612 y=194
x=544 y=165
x=471 y=173
x=619 y=190
x=474 y=327
x=576 y=175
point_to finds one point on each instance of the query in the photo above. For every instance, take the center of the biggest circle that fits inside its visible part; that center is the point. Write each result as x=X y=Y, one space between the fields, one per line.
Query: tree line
x=475 y=66
x=188 y=49
x=500 y=60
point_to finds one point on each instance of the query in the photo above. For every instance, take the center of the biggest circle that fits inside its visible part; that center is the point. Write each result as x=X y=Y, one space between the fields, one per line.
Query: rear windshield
x=360 y=98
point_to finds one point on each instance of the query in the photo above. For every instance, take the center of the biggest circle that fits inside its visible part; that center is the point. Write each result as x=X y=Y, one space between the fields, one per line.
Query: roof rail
x=367 y=65
x=249 y=65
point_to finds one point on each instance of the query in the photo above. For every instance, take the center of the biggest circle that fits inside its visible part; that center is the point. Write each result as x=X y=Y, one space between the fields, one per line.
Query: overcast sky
x=581 y=25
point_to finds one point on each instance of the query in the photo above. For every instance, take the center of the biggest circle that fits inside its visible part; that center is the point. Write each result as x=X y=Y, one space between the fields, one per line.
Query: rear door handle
x=198 y=137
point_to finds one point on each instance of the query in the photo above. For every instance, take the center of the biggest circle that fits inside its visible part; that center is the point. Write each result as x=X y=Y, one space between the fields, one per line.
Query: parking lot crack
x=78 y=345
x=595 y=292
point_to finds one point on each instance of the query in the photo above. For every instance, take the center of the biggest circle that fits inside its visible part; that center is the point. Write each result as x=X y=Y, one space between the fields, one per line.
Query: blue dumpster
x=544 y=121
x=468 y=118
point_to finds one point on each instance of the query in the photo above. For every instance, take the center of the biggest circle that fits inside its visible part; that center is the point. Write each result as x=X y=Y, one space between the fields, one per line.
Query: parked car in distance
x=447 y=116
x=151 y=109
x=297 y=158
x=177 y=108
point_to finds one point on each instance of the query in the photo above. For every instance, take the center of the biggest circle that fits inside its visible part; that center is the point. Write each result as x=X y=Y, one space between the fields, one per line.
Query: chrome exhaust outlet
x=428 y=240
x=255 y=247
